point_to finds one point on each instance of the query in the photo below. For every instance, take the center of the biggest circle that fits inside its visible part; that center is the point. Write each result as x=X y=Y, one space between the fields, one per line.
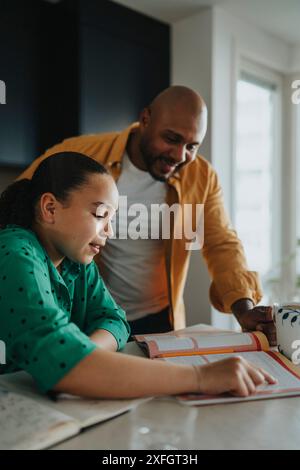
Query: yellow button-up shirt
x=196 y=183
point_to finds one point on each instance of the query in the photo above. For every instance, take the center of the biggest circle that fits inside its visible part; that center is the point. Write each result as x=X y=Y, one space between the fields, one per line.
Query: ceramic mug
x=287 y=321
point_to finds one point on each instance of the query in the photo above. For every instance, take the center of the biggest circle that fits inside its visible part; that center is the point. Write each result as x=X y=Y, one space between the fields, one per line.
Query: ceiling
x=168 y=10
x=279 y=17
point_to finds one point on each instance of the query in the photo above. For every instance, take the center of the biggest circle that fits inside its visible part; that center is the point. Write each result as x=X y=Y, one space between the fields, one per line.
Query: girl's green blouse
x=46 y=318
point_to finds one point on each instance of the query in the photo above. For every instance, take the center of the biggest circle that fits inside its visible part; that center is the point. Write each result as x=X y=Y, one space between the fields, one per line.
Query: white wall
x=235 y=40
x=295 y=60
x=192 y=66
x=206 y=50
x=289 y=182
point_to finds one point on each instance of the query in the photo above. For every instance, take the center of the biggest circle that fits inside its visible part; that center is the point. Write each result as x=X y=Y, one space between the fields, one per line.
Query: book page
x=288 y=383
x=170 y=343
x=222 y=341
x=88 y=412
x=26 y=424
x=85 y=411
x=187 y=342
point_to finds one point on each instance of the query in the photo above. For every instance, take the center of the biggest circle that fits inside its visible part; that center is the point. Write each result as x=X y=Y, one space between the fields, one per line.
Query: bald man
x=155 y=161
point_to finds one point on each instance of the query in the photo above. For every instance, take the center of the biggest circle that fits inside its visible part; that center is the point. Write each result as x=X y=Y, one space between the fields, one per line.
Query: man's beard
x=149 y=160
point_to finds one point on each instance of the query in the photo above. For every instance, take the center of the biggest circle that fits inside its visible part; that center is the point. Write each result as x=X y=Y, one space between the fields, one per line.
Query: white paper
x=85 y=411
x=26 y=424
x=286 y=380
x=218 y=341
x=171 y=343
x=259 y=358
x=203 y=341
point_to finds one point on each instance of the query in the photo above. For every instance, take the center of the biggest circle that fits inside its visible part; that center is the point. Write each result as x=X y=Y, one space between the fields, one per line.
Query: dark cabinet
x=124 y=63
x=18 y=51
x=72 y=67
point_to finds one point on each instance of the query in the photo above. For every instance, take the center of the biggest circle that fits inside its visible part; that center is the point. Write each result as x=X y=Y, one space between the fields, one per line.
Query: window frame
x=297 y=154
x=258 y=74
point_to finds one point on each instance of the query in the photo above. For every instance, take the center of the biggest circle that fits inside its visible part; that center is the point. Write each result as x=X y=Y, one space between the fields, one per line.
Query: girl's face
x=81 y=226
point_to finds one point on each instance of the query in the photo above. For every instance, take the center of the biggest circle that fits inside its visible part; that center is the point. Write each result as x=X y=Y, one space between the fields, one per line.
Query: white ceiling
x=168 y=10
x=279 y=17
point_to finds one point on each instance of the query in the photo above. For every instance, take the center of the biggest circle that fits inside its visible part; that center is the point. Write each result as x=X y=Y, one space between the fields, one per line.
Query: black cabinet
x=18 y=50
x=124 y=63
x=72 y=67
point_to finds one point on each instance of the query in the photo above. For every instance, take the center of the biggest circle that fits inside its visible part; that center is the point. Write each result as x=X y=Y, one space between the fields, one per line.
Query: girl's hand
x=234 y=375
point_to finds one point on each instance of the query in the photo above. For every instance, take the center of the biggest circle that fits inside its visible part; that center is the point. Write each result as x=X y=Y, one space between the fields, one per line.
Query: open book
x=30 y=420
x=198 y=346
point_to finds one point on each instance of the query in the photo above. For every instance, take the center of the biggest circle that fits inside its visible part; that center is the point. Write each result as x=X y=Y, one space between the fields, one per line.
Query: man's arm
x=234 y=288
x=224 y=254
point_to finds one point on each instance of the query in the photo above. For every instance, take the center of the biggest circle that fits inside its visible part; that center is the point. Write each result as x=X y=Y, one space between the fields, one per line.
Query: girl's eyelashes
x=99 y=216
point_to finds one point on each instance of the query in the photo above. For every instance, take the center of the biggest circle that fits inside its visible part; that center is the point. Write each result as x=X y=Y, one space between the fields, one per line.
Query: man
x=155 y=161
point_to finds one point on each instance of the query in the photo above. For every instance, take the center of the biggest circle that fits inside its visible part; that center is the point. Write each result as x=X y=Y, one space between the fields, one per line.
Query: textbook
x=197 y=346
x=32 y=421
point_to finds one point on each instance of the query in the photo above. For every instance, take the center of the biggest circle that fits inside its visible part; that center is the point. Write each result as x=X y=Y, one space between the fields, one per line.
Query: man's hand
x=255 y=318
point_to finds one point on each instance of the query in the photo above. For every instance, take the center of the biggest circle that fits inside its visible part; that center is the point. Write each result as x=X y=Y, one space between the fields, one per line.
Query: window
x=298 y=196
x=256 y=188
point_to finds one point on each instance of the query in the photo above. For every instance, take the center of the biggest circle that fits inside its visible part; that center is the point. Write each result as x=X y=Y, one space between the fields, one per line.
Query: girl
x=57 y=319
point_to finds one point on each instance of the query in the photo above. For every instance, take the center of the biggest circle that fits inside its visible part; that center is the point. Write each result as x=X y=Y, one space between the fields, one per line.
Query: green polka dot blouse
x=46 y=317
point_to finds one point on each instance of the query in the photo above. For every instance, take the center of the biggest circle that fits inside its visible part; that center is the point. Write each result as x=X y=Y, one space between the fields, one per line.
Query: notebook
x=30 y=420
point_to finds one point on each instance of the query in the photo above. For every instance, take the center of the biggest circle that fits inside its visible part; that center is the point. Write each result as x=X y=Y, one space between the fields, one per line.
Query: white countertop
x=264 y=424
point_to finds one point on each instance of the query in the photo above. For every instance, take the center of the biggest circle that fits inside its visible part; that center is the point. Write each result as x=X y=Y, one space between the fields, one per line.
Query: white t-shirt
x=134 y=269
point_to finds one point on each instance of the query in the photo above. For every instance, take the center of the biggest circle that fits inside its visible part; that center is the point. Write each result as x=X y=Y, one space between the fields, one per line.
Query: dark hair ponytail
x=58 y=174
x=15 y=204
